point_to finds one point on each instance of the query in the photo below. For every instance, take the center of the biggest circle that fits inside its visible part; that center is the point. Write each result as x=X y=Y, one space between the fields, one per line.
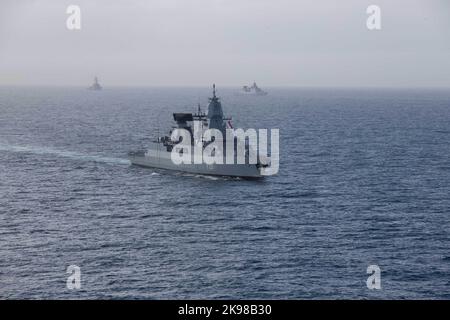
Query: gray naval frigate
x=158 y=155
x=95 y=86
x=253 y=90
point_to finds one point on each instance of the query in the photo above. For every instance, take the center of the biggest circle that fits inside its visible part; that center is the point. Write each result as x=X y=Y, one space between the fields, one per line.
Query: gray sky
x=230 y=42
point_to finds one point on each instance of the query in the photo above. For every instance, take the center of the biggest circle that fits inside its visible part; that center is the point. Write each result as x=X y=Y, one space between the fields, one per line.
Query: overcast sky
x=230 y=42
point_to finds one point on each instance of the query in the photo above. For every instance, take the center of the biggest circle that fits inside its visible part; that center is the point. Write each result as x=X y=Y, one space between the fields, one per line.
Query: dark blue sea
x=364 y=179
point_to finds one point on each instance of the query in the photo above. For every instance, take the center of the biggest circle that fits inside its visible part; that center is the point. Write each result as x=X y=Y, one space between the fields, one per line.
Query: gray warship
x=253 y=90
x=158 y=154
x=95 y=86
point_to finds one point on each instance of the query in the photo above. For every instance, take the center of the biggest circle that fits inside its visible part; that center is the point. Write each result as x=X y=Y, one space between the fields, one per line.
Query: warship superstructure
x=254 y=90
x=158 y=154
x=95 y=86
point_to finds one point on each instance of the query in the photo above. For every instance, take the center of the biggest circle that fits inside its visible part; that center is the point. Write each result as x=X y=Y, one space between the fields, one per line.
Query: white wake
x=63 y=153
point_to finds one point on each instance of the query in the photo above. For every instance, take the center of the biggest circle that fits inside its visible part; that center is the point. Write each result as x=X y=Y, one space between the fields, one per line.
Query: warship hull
x=162 y=159
x=252 y=93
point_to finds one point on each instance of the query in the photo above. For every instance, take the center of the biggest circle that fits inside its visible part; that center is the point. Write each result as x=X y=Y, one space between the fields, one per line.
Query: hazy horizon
x=175 y=43
x=229 y=86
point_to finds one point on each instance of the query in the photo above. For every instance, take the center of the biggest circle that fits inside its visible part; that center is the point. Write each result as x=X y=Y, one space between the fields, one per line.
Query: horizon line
x=293 y=86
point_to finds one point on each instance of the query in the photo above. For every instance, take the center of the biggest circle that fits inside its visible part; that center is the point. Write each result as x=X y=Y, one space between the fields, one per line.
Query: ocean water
x=364 y=179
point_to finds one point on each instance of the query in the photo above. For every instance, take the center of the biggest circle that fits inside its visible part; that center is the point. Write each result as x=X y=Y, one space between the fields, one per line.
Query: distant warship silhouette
x=95 y=85
x=253 y=89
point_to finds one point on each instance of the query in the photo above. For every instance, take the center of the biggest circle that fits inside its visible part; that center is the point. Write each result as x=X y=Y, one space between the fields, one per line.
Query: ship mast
x=215 y=113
